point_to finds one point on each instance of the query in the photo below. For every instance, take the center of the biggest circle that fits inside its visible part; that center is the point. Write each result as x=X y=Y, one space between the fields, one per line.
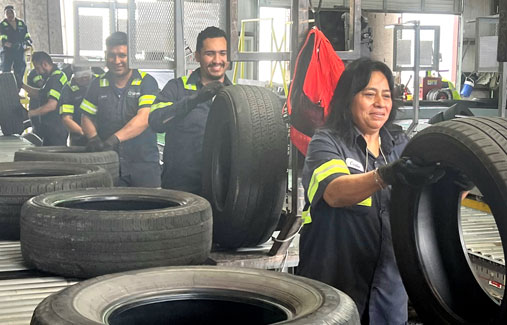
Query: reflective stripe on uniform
x=20 y=23
x=334 y=166
x=137 y=81
x=63 y=79
x=37 y=78
x=67 y=108
x=186 y=85
x=146 y=100
x=2 y=37
x=54 y=93
x=366 y=202
x=104 y=82
x=27 y=36
x=307 y=218
x=160 y=105
x=5 y=23
x=74 y=87
x=88 y=107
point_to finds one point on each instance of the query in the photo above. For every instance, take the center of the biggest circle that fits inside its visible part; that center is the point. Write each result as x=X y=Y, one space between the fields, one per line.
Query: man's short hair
x=41 y=56
x=9 y=7
x=209 y=32
x=117 y=39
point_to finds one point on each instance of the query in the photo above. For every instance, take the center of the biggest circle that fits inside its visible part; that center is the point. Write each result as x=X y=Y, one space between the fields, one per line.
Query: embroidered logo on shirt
x=351 y=163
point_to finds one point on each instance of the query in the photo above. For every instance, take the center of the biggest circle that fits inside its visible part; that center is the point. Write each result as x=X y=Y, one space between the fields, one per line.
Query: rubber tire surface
x=245 y=165
x=11 y=114
x=106 y=159
x=426 y=230
x=15 y=190
x=80 y=242
x=310 y=301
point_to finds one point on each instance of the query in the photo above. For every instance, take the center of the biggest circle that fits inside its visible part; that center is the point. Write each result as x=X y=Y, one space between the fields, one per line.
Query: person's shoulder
x=4 y=23
x=325 y=134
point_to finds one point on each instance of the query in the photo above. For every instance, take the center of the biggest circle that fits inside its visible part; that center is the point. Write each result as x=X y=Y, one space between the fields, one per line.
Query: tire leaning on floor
x=105 y=159
x=245 y=165
x=11 y=111
x=20 y=181
x=86 y=233
x=426 y=232
x=197 y=295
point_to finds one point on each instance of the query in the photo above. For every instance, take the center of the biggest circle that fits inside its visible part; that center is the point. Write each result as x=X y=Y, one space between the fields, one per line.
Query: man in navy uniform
x=115 y=116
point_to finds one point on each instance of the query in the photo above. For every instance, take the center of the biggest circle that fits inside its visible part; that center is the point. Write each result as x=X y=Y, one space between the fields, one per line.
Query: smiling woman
x=346 y=240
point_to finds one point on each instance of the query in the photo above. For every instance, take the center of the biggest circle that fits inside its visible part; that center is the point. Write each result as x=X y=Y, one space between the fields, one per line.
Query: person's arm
x=351 y=189
x=4 y=37
x=50 y=106
x=71 y=125
x=31 y=91
x=88 y=109
x=88 y=126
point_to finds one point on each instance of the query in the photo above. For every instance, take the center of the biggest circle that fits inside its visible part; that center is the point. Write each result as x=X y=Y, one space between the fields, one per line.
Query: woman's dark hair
x=354 y=79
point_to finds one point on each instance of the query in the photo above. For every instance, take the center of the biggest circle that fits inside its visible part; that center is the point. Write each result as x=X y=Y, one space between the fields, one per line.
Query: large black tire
x=20 y=181
x=11 y=111
x=105 y=159
x=92 y=232
x=245 y=165
x=198 y=295
x=426 y=231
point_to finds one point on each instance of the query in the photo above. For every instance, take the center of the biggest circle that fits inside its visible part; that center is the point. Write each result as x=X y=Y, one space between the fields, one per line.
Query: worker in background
x=52 y=131
x=115 y=116
x=15 y=37
x=35 y=80
x=350 y=164
x=70 y=101
x=181 y=110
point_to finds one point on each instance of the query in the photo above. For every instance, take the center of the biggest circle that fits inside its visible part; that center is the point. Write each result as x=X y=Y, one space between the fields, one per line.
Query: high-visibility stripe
x=2 y=37
x=5 y=23
x=27 y=36
x=136 y=82
x=20 y=23
x=334 y=166
x=54 y=93
x=142 y=73
x=366 y=202
x=37 y=78
x=74 y=87
x=146 y=100
x=63 y=79
x=104 y=82
x=307 y=218
x=88 y=107
x=160 y=105
x=67 y=108
x=187 y=85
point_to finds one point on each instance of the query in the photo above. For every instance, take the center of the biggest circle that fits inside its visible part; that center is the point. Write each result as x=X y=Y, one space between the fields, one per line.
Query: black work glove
x=112 y=143
x=204 y=94
x=412 y=172
x=95 y=144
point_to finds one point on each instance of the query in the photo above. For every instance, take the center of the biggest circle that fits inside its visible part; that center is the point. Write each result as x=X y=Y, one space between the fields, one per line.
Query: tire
x=11 y=114
x=245 y=165
x=198 y=295
x=86 y=233
x=426 y=231
x=20 y=181
x=105 y=159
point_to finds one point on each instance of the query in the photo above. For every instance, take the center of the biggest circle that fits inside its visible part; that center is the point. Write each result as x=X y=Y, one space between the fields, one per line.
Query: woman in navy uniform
x=351 y=161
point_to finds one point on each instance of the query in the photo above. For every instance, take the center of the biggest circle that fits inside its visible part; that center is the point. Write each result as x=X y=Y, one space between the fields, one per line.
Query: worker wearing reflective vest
x=72 y=96
x=181 y=110
x=14 y=36
x=115 y=116
x=52 y=131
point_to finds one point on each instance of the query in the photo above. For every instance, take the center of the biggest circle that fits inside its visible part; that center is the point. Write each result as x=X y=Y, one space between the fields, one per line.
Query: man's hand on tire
x=204 y=94
x=95 y=144
x=112 y=143
x=411 y=171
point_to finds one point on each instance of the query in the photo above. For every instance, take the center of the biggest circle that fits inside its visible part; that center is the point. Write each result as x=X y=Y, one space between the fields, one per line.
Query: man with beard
x=51 y=130
x=181 y=109
x=115 y=116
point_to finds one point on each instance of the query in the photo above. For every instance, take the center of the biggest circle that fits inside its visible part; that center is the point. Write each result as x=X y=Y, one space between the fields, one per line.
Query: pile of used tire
x=425 y=222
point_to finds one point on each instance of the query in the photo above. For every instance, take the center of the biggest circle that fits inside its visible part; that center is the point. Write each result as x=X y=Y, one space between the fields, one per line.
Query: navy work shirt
x=184 y=132
x=350 y=248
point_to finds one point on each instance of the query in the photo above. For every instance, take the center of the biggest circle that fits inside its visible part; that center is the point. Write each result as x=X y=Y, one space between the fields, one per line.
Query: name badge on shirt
x=351 y=163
